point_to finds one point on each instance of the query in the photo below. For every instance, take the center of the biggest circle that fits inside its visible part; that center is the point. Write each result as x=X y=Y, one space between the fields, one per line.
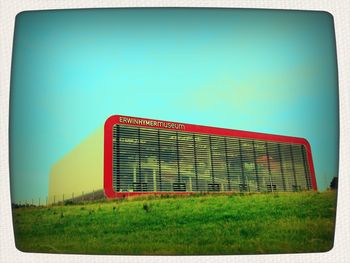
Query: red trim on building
x=116 y=119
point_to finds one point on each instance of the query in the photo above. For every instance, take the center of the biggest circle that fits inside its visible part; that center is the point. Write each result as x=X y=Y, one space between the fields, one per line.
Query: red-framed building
x=144 y=156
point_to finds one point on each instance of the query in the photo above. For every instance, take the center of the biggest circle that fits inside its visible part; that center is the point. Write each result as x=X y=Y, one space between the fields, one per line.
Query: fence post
x=47 y=199
x=39 y=201
x=62 y=199
x=93 y=195
x=82 y=196
x=54 y=199
x=73 y=197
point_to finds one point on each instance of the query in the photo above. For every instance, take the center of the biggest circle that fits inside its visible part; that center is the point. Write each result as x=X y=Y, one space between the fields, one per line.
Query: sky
x=269 y=71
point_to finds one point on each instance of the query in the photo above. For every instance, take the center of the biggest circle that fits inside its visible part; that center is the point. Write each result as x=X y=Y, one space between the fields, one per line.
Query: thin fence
x=63 y=199
x=85 y=197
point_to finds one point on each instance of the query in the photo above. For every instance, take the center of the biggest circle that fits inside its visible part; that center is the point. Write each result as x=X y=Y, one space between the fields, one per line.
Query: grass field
x=182 y=225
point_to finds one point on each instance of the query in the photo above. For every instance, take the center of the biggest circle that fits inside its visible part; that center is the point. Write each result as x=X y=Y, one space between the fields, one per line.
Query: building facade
x=78 y=172
x=152 y=156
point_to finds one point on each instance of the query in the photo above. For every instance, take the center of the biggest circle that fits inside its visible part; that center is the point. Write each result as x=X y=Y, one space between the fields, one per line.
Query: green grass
x=182 y=225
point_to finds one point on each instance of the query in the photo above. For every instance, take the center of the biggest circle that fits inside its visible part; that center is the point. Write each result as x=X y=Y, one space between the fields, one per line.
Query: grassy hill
x=168 y=225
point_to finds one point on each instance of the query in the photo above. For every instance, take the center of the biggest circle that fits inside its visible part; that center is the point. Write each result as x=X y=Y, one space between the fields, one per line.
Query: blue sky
x=266 y=71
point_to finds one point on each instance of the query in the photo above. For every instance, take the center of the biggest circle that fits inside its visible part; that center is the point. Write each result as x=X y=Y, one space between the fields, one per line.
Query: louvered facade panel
x=150 y=156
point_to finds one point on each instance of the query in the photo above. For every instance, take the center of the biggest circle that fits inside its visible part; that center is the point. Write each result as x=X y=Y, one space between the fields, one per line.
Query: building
x=152 y=156
x=79 y=172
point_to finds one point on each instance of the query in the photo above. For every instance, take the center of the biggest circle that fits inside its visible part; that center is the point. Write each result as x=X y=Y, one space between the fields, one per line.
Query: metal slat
x=161 y=160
